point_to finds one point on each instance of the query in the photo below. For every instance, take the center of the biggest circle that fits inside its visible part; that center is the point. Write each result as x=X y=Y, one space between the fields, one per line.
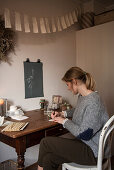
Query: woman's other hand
x=57 y=114
x=54 y=114
x=59 y=119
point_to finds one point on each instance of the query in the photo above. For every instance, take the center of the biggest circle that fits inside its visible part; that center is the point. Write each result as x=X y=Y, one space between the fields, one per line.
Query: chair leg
x=109 y=164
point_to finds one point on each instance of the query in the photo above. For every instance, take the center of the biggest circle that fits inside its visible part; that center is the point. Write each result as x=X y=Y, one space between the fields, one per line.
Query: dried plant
x=7 y=41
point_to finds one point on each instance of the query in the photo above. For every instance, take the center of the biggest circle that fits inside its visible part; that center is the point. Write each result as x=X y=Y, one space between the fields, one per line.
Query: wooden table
x=39 y=126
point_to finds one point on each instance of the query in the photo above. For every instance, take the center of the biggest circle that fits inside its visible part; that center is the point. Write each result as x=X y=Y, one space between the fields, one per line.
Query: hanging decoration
x=47 y=25
x=41 y=25
x=7 y=40
x=18 y=26
x=53 y=25
x=71 y=19
x=26 y=23
x=59 y=24
x=63 y=23
x=67 y=20
x=7 y=19
x=35 y=25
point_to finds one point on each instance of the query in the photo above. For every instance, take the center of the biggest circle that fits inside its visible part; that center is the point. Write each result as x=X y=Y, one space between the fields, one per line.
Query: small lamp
x=3 y=107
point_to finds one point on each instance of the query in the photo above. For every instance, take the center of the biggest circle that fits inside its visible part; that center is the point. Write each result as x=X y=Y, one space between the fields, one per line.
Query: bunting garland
x=41 y=25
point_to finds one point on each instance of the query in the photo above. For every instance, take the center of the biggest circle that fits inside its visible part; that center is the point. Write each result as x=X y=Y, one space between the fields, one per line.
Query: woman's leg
x=48 y=146
x=56 y=150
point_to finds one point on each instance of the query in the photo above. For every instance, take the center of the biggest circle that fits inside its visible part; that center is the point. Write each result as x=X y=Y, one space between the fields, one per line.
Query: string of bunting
x=41 y=25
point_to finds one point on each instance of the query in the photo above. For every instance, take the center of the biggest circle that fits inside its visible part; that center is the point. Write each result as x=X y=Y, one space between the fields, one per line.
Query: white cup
x=13 y=108
x=17 y=112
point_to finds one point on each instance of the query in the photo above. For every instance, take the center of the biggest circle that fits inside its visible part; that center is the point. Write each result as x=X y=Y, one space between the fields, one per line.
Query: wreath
x=7 y=41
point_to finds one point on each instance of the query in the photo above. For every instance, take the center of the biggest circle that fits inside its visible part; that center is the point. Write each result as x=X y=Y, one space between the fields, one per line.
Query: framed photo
x=57 y=99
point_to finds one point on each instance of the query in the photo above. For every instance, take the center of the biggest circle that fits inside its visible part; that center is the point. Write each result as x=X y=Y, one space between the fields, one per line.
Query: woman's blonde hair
x=78 y=73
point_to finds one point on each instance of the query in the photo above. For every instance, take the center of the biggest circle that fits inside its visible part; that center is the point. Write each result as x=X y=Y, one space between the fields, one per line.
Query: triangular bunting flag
x=71 y=19
x=63 y=23
x=59 y=24
x=7 y=18
x=74 y=16
x=26 y=24
x=18 y=22
x=35 y=25
x=67 y=20
x=47 y=25
x=53 y=25
x=42 y=26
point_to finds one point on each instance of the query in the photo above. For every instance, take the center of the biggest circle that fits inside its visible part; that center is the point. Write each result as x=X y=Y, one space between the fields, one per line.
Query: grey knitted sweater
x=88 y=118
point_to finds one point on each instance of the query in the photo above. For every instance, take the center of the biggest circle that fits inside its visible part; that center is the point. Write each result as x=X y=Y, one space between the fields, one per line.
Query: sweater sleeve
x=90 y=124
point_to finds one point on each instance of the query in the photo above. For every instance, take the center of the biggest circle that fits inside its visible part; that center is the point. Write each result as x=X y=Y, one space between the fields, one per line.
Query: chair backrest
x=106 y=131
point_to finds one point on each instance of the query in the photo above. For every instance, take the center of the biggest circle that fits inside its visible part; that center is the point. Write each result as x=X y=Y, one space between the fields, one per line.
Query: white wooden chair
x=106 y=131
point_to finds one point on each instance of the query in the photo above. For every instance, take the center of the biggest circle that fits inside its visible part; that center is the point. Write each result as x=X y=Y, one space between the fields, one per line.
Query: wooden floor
x=34 y=166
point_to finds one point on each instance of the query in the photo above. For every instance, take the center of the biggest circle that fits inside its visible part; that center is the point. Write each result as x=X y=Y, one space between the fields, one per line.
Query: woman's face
x=72 y=87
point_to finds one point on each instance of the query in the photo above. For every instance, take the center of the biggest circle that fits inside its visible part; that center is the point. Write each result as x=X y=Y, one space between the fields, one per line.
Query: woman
x=88 y=118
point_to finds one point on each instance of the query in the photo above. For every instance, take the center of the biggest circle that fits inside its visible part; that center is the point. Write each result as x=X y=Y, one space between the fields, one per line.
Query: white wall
x=95 y=54
x=56 y=51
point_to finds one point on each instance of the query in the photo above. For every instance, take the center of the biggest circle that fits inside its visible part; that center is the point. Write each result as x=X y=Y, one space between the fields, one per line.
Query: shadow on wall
x=41 y=39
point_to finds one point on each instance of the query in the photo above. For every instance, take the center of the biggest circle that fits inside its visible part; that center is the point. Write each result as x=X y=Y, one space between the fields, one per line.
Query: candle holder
x=42 y=104
x=3 y=107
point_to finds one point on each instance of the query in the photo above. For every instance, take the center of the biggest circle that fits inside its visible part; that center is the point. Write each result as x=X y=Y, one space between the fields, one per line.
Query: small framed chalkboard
x=33 y=78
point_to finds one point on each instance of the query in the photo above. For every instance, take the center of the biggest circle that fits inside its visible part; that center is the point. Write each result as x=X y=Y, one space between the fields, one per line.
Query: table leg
x=20 y=161
x=20 y=149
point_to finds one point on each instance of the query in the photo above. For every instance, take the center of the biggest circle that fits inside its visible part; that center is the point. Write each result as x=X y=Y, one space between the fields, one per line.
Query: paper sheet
x=51 y=120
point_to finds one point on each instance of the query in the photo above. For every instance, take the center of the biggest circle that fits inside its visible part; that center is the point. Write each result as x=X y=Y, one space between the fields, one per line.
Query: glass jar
x=42 y=104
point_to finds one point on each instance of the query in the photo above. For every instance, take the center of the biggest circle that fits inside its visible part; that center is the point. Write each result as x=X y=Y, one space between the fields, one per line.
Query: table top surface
x=37 y=121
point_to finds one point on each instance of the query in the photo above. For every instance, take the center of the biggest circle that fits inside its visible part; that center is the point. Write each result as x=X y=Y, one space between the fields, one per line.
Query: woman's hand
x=59 y=119
x=57 y=114
x=54 y=114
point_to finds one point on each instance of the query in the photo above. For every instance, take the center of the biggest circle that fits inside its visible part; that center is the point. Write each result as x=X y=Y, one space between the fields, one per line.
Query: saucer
x=19 y=117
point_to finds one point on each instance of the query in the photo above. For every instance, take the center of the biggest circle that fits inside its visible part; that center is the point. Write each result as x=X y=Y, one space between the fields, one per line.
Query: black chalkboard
x=33 y=77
